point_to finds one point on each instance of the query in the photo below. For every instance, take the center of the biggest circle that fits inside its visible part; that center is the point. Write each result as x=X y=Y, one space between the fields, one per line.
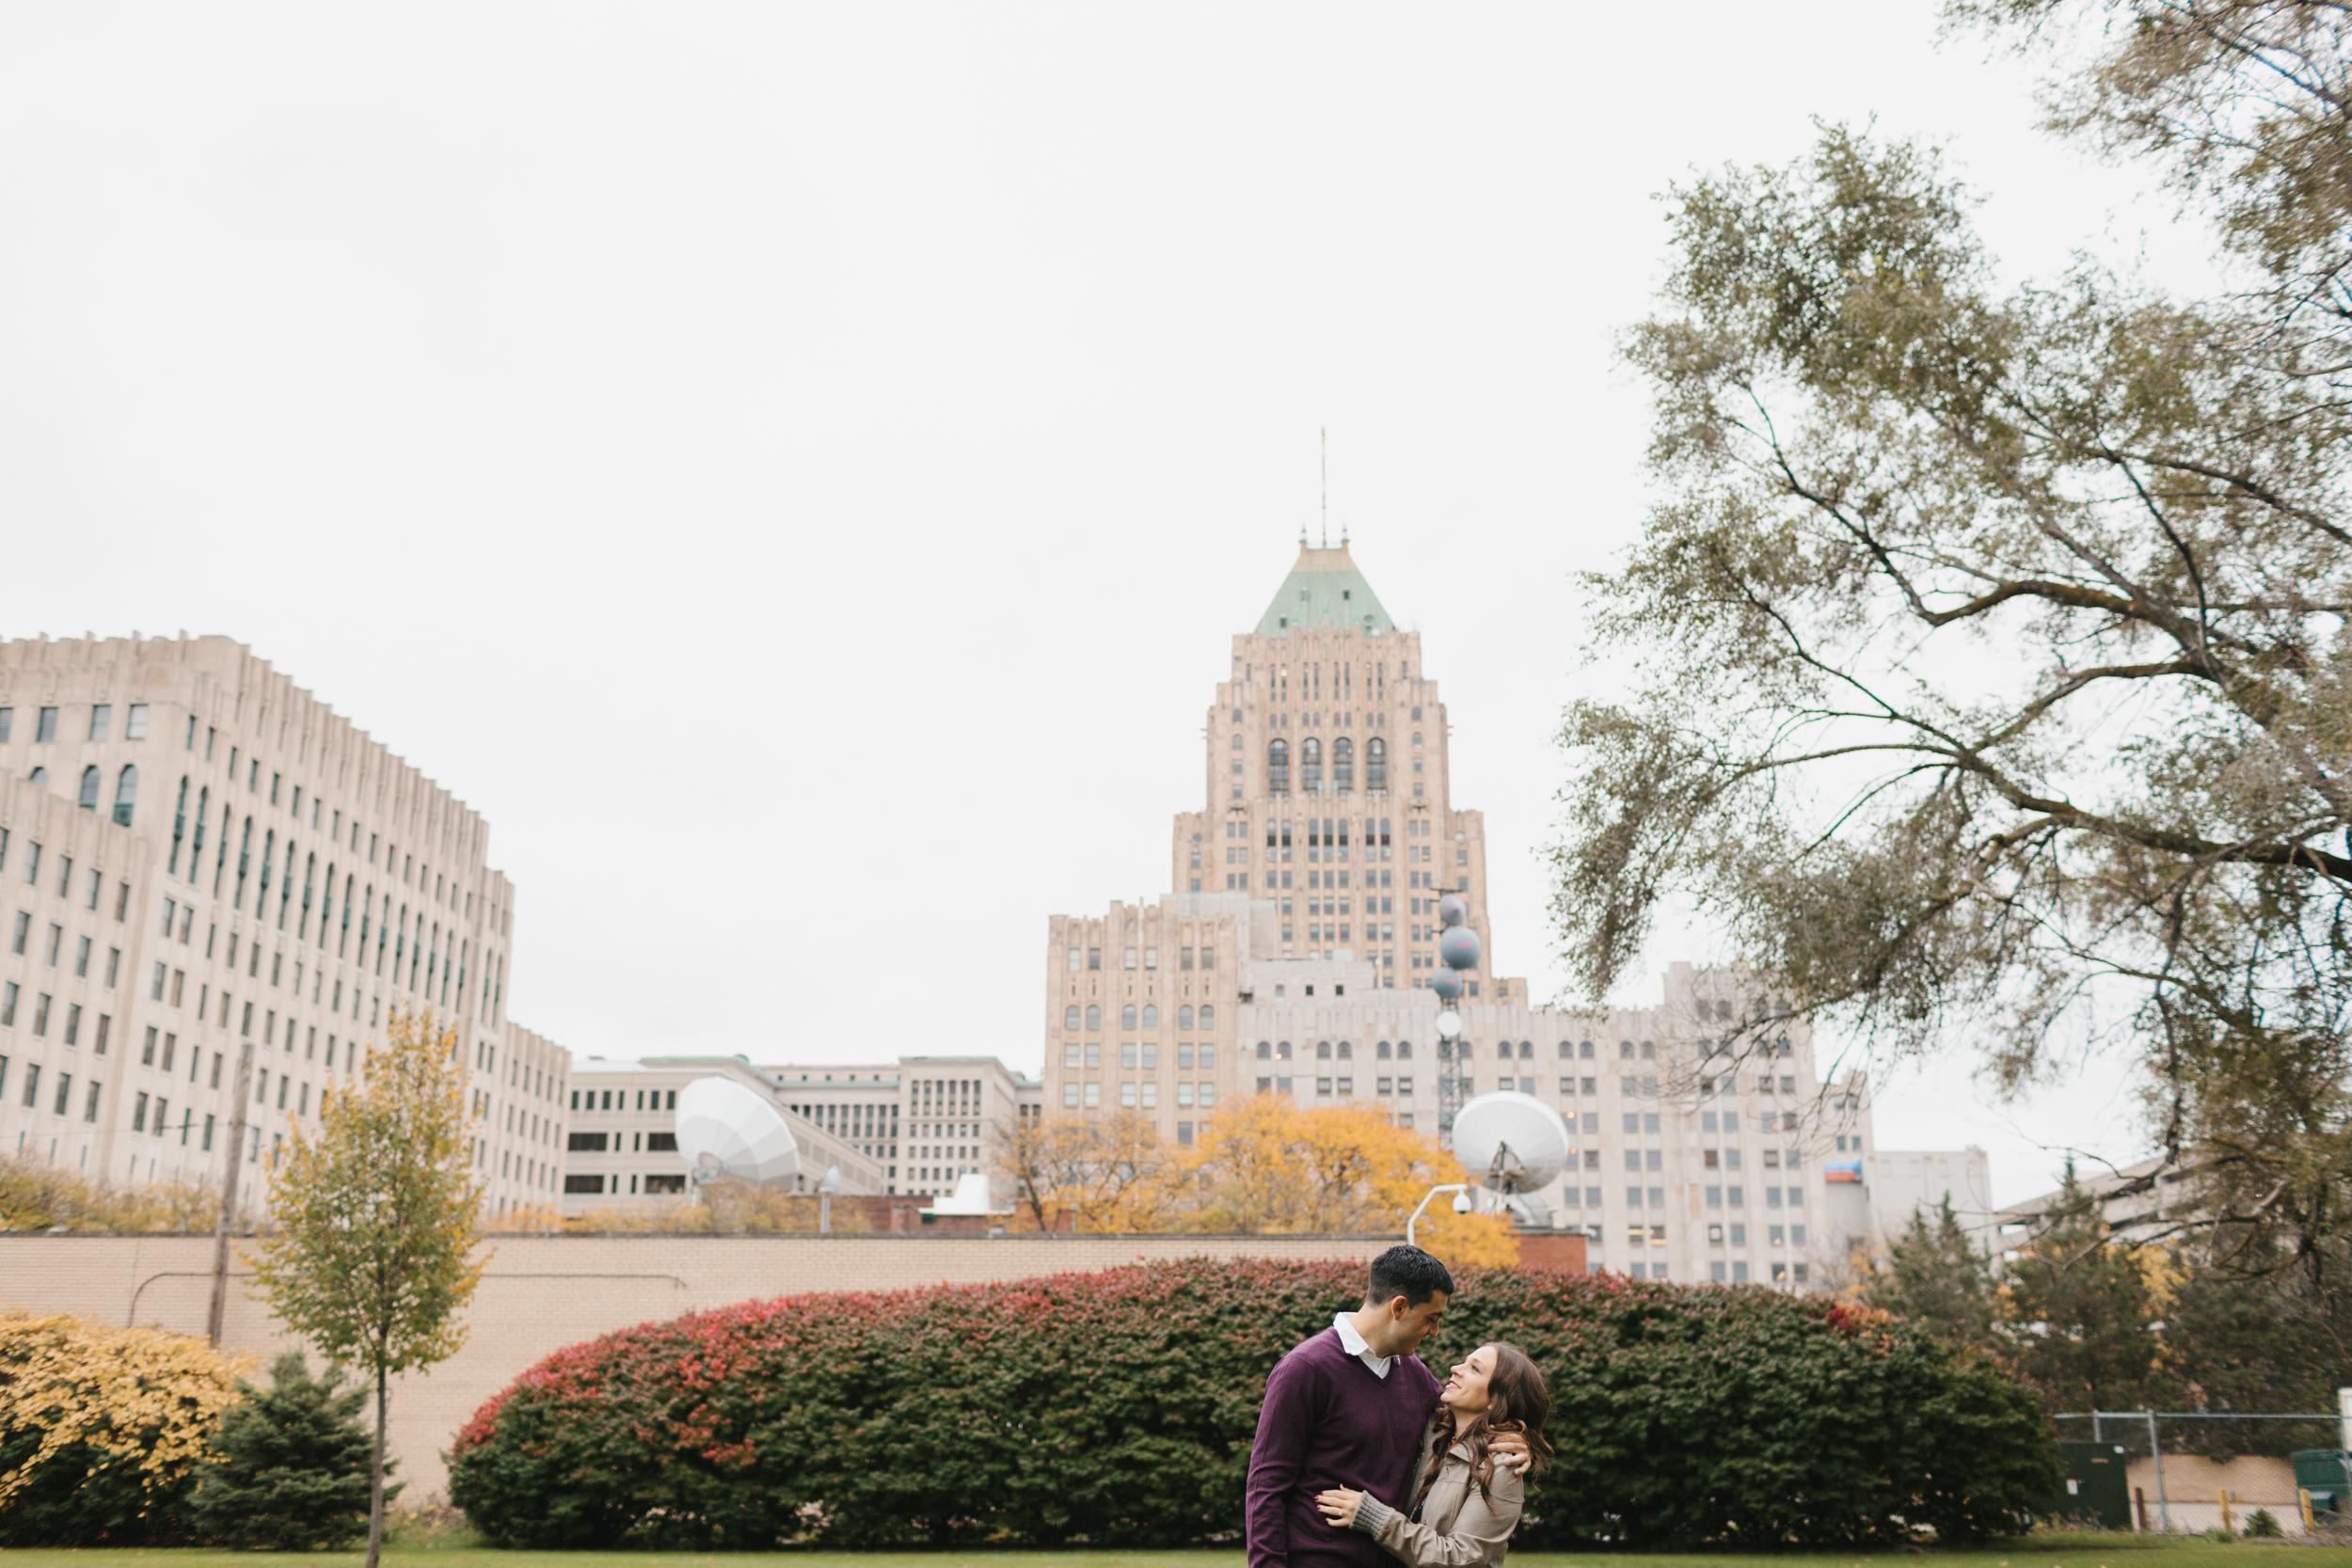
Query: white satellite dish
x=1511 y=1142
x=724 y=1129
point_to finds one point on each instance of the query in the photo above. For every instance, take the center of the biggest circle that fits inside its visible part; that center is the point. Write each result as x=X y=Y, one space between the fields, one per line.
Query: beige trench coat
x=1459 y=1528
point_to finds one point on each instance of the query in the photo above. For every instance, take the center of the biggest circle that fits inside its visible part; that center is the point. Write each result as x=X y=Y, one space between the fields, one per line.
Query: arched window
x=1504 y=1051
x=1527 y=1049
x=41 y=775
x=1311 y=765
x=1624 y=1050
x=1347 y=1051
x=1567 y=1051
x=1278 y=766
x=1405 y=1051
x=1649 y=1050
x=89 y=787
x=126 y=794
x=1266 y=1051
x=1377 y=765
x=1585 y=1050
x=1208 y=1018
x=1127 y=1015
x=1184 y=1016
x=1343 y=766
x=1236 y=740
x=1383 y=1051
x=1070 y=1016
x=1094 y=1016
x=1323 y=1050
x=1150 y=1016
x=1282 y=1049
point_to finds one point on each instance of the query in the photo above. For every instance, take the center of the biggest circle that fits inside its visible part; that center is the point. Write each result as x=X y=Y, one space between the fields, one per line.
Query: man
x=1348 y=1409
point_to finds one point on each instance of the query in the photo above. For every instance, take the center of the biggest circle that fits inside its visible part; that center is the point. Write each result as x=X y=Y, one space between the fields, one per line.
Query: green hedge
x=1117 y=1408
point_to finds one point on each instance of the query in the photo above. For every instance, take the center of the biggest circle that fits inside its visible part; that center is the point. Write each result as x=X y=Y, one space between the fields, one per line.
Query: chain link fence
x=2193 y=1471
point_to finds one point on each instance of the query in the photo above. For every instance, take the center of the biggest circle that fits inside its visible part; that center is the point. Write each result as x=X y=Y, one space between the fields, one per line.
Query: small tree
x=2078 y=1308
x=291 y=1466
x=378 y=1217
x=1938 y=1278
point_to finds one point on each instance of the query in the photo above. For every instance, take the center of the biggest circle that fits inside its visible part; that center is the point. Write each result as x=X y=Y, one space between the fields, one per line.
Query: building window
x=45 y=727
x=126 y=795
x=1377 y=764
x=135 y=723
x=1150 y=1016
x=1208 y=1018
x=1094 y=1016
x=1093 y=1096
x=1070 y=1016
x=89 y=787
x=1070 y=1096
x=1344 y=765
x=1311 y=765
x=1184 y=1020
x=1127 y=1015
x=1278 y=766
x=101 y=719
x=583 y=1184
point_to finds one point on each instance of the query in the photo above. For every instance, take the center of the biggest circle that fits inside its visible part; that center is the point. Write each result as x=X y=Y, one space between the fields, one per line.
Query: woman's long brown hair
x=1517 y=1400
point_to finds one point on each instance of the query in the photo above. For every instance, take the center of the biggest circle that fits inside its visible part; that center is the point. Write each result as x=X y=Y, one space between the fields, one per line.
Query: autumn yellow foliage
x=35 y=1196
x=1265 y=1165
x=727 y=1206
x=103 y=1400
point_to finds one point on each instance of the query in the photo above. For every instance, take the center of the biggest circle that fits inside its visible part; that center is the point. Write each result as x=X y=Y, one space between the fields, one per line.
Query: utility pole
x=228 y=1193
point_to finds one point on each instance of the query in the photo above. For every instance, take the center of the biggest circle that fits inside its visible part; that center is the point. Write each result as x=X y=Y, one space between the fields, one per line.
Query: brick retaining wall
x=542 y=1292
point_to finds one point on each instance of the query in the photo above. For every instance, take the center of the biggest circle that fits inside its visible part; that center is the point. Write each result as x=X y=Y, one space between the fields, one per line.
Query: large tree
x=378 y=1215
x=1990 y=675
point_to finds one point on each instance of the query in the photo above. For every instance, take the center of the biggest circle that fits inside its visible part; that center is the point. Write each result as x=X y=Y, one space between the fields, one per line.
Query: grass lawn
x=2053 y=1551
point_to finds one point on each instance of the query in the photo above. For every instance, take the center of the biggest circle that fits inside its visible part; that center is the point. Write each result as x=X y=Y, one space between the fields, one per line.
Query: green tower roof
x=1323 y=589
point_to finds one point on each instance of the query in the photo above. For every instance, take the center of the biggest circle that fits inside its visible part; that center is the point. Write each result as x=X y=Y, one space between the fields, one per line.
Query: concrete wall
x=2193 y=1487
x=541 y=1293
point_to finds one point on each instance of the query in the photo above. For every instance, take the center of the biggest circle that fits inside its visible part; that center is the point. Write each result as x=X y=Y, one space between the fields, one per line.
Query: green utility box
x=2095 y=1487
x=2322 y=1473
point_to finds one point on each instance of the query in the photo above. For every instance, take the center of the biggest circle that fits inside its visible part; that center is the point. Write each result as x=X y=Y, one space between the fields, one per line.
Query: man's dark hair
x=1407 y=1272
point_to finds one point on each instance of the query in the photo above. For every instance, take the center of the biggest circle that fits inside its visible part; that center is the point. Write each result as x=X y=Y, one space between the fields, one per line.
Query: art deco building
x=1295 y=958
x=203 y=866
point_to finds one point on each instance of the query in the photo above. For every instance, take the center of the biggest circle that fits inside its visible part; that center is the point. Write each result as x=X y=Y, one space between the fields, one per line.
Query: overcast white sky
x=796 y=469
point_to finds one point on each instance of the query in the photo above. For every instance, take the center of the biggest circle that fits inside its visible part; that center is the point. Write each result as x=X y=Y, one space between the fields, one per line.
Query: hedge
x=1117 y=1409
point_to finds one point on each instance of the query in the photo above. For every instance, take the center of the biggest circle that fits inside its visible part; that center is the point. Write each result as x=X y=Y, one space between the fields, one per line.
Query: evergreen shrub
x=288 y=1468
x=1117 y=1409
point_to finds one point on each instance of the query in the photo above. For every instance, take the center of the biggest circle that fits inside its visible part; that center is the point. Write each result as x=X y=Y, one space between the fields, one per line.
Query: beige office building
x=1295 y=958
x=621 y=1150
x=201 y=864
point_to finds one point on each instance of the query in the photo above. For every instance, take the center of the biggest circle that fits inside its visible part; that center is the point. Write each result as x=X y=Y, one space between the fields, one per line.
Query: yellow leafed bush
x=102 y=1428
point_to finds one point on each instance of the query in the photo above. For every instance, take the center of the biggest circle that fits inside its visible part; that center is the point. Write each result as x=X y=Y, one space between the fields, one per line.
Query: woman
x=1464 y=1505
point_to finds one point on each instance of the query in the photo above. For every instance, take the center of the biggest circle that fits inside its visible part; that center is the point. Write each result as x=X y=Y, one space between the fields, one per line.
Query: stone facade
x=1297 y=957
x=206 y=869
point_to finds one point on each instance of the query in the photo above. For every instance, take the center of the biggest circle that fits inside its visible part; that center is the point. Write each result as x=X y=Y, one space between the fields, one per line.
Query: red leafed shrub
x=1117 y=1408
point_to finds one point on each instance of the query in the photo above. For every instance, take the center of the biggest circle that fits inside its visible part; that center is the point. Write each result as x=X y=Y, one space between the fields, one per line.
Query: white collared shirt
x=1356 y=1345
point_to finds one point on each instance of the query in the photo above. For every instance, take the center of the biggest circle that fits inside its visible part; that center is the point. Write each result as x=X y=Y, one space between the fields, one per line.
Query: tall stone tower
x=1293 y=956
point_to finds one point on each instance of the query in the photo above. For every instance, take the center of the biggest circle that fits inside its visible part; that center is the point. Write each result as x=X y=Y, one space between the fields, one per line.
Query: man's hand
x=1509 y=1449
x=1338 y=1506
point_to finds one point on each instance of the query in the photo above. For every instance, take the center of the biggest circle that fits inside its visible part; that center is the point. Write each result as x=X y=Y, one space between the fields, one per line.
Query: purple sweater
x=1329 y=1420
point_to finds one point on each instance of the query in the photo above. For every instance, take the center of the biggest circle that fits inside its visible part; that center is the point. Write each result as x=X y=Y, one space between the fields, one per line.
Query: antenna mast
x=1324 y=437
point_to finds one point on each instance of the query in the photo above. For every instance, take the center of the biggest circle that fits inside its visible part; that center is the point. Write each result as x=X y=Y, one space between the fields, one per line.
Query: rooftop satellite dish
x=724 y=1129
x=1511 y=1142
x=1450 y=1021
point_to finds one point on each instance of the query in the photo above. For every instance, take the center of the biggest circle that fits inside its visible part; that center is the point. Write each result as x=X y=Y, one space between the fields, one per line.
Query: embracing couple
x=1360 y=1453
